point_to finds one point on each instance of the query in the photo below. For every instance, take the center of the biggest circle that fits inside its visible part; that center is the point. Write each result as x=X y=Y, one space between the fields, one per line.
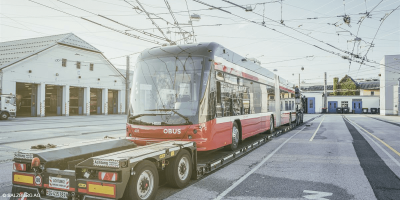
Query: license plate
x=58 y=194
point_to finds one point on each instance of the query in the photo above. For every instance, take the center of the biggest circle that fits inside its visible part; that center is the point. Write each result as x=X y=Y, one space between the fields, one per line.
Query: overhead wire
x=175 y=20
x=343 y=51
x=360 y=22
x=372 y=42
x=344 y=57
x=157 y=15
x=289 y=60
x=119 y=31
x=194 y=37
x=198 y=1
x=151 y=19
x=130 y=27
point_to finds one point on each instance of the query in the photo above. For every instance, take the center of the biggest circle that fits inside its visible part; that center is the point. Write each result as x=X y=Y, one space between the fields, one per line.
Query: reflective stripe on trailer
x=174 y=149
x=147 y=156
x=227 y=157
x=215 y=163
x=188 y=145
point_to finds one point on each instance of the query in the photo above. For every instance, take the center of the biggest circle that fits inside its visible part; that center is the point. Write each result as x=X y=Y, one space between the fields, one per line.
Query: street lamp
x=302 y=69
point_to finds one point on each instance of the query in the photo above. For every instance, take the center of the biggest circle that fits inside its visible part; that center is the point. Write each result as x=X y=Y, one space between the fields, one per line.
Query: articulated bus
x=205 y=93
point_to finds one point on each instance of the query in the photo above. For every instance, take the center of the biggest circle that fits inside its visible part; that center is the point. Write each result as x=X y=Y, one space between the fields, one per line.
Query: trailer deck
x=73 y=172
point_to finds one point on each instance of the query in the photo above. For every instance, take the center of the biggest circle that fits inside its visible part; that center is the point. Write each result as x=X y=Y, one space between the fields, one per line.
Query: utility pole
x=325 y=93
x=398 y=99
x=299 y=81
x=127 y=86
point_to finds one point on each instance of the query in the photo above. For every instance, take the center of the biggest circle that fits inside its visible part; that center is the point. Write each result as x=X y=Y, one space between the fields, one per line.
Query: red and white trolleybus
x=207 y=94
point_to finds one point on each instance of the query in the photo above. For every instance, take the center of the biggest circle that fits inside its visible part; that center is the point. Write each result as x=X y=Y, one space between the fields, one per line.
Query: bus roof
x=210 y=50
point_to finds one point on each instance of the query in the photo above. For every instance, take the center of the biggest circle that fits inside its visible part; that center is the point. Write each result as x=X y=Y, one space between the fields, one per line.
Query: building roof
x=365 y=85
x=14 y=51
x=348 y=77
x=317 y=88
x=370 y=85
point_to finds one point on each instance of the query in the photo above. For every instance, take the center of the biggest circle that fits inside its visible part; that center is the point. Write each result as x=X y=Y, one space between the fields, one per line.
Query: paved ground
x=336 y=157
x=342 y=161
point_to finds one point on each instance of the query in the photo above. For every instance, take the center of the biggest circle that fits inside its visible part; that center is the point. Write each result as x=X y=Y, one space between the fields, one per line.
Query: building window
x=91 y=66
x=64 y=62
x=78 y=65
x=345 y=104
x=372 y=93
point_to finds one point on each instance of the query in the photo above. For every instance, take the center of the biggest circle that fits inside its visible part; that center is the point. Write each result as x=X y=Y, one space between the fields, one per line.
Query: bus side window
x=219 y=112
x=246 y=103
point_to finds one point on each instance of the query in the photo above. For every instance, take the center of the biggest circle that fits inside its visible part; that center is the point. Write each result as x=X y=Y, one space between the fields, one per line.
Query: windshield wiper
x=176 y=112
x=141 y=115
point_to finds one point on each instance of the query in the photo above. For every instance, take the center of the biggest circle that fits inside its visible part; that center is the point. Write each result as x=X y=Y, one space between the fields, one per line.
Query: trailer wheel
x=144 y=184
x=4 y=116
x=179 y=170
x=235 y=137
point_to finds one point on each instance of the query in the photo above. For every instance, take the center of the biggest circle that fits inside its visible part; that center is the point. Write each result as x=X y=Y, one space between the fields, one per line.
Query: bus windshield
x=165 y=91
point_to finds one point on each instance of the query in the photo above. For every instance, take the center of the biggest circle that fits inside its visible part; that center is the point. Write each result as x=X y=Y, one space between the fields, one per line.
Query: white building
x=315 y=102
x=390 y=76
x=60 y=75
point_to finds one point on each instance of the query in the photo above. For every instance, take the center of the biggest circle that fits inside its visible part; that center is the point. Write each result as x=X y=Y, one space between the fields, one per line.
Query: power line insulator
x=347 y=20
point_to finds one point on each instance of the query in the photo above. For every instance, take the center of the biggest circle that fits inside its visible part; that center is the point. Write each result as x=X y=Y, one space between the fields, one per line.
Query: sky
x=309 y=34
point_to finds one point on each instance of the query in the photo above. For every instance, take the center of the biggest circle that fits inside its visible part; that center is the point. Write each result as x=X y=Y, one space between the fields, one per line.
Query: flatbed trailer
x=118 y=169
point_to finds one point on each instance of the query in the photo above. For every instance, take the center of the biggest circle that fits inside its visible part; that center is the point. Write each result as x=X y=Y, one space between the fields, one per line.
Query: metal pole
x=299 y=81
x=127 y=86
x=325 y=93
x=277 y=102
x=398 y=99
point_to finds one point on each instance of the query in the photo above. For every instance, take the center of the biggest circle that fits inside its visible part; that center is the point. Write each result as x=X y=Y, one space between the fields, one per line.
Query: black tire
x=235 y=137
x=4 y=116
x=179 y=170
x=148 y=174
x=271 y=125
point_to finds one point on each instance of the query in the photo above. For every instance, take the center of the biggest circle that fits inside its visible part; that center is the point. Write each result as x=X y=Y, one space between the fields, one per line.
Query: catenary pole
x=127 y=86
x=325 y=93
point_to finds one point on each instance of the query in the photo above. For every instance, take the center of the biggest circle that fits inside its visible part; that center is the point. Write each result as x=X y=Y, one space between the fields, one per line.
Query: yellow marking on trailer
x=23 y=179
x=162 y=155
x=109 y=190
x=172 y=153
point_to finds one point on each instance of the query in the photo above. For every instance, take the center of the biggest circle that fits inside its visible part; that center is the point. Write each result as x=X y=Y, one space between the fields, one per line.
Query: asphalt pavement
x=332 y=158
